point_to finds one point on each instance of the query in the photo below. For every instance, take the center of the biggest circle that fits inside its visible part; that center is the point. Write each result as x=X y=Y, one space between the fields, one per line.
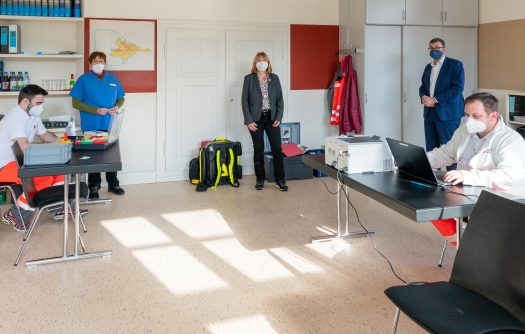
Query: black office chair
x=486 y=290
x=48 y=197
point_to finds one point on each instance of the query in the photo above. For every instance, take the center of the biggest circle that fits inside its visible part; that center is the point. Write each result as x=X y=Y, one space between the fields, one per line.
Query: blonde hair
x=265 y=56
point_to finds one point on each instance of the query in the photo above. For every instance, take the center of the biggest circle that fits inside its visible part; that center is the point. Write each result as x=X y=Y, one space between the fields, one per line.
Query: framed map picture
x=130 y=48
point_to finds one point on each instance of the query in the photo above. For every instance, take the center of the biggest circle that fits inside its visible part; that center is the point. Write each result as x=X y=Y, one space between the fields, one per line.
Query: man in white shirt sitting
x=21 y=124
x=487 y=152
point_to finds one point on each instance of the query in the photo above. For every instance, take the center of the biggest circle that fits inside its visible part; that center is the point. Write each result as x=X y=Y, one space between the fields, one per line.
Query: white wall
x=501 y=10
x=307 y=107
x=268 y=11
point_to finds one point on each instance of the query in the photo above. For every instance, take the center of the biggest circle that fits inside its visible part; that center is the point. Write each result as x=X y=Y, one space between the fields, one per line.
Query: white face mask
x=262 y=66
x=98 y=68
x=36 y=111
x=475 y=126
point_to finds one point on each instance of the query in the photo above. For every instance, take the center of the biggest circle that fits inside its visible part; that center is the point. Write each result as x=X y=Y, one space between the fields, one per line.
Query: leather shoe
x=116 y=190
x=93 y=192
x=259 y=185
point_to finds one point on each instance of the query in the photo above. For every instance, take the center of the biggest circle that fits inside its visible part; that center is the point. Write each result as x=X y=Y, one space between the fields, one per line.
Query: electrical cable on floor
x=359 y=220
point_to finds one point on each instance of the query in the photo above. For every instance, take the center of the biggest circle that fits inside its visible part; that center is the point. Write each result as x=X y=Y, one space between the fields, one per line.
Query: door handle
x=405 y=97
x=441 y=16
x=445 y=16
x=403 y=15
x=366 y=99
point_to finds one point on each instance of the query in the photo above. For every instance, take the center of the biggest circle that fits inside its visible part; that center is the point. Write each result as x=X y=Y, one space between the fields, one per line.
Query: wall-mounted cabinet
x=390 y=68
x=422 y=12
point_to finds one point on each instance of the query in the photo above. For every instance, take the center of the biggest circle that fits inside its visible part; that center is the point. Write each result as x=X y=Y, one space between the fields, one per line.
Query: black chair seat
x=464 y=310
x=56 y=193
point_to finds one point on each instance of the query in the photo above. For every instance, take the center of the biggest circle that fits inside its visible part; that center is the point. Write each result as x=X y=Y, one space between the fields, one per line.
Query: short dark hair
x=435 y=40
x=96 y=54
x=490 y=102
x=30 y=91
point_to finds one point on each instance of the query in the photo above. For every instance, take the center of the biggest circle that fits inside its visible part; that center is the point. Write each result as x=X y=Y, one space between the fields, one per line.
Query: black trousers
x=94 y=179
x=274 y=137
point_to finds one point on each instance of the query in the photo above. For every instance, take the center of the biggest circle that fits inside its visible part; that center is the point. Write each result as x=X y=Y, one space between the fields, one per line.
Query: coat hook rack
x=350 y=50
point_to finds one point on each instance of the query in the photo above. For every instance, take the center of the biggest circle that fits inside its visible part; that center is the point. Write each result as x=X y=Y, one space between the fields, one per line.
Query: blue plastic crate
x=316 y=172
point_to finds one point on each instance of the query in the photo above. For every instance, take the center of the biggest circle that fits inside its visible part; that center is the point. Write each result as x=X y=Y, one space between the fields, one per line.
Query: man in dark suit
x=441 y=93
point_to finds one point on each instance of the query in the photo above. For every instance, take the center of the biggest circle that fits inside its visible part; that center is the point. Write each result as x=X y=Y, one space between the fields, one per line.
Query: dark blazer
x=448 y=91
x=252 y=98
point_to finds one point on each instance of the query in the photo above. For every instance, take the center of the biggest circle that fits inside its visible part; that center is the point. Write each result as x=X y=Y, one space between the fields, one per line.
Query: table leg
x=76 y=256
x=459 y=231
x=340 y=235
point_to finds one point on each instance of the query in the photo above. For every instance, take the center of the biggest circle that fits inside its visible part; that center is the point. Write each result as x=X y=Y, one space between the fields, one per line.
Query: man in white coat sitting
x=488 y=153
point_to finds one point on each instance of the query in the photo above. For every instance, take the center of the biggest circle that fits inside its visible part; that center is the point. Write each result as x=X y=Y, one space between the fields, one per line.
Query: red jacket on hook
x=350 y=113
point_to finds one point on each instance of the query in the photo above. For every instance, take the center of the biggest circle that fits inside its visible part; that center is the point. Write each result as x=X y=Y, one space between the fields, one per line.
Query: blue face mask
x=436 y=54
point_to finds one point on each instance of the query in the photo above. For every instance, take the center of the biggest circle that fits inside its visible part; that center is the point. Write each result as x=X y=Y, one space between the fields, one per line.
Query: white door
x=460 y=13
x=415 y=58
x=385 y=12
x=424 y=12
x=461 y=45
x=195 y=93
x=242 y=46
x=383 y=59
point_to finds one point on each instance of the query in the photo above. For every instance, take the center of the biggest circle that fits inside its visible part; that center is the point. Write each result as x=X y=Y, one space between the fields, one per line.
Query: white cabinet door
x=415 y=58
x=242 y=46
x=385 y=12
x=461 y=45
x=195 y=93
x=424 y=12
x=460 y=13
x=382 y=112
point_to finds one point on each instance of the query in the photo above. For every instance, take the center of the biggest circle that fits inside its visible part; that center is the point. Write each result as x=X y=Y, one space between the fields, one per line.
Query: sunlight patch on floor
x=298 y=262
x=258 y=265
x=200 y=224
x=255 y=324
x=331 y=249
x=135 y=232
x=179 y=271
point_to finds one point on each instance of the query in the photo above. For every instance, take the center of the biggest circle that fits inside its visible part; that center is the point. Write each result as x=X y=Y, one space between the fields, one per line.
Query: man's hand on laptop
x=454 y=177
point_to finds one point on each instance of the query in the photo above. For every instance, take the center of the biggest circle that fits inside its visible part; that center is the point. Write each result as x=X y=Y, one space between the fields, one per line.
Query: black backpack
x=219 y=163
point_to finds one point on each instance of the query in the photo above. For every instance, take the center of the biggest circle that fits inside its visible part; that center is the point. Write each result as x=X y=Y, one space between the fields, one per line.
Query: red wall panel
x=314 y=53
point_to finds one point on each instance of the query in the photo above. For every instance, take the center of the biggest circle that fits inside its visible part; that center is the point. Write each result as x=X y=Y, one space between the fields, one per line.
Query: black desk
x=395 y=191
x=82 y=162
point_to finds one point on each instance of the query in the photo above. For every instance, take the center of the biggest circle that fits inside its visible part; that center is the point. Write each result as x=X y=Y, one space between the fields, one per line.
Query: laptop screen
x=412 y=160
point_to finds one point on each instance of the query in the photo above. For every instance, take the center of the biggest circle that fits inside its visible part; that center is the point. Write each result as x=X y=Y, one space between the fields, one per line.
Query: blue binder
x=4 y=38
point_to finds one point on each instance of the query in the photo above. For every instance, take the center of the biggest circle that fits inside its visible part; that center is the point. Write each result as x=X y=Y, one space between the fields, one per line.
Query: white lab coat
x=500 y=164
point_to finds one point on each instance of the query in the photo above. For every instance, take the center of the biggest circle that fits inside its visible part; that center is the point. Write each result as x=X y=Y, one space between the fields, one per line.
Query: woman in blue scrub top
x=98 y=95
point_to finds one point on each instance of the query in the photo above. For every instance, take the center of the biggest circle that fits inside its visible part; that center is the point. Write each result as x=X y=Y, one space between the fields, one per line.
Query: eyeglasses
x=95 y=62
x=437 y=48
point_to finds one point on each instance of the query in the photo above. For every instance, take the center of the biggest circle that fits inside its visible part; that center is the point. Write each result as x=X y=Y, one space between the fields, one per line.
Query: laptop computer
x=110 y=138
x=412 y=160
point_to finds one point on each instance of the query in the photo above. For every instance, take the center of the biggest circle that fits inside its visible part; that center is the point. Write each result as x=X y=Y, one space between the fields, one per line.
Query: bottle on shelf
x=72 y=81
x=20 y=81
x=13 y=83
x=26 y=79
x=76 y=8
x=6 y=85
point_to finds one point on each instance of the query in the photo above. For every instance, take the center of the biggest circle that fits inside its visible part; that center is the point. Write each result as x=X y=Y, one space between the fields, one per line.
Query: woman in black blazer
x=263 y=106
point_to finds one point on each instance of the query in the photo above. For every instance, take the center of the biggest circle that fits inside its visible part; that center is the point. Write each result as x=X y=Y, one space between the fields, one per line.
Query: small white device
x=358 y=154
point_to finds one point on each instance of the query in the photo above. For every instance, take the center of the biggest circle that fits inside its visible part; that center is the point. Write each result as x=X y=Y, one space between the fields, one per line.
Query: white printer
x=358 y=154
